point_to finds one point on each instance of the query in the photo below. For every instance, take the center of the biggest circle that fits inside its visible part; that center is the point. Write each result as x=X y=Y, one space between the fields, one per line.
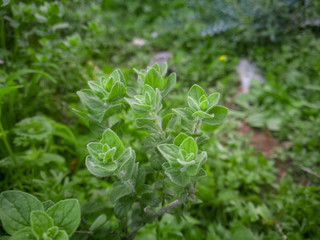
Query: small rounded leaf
x=196 y=92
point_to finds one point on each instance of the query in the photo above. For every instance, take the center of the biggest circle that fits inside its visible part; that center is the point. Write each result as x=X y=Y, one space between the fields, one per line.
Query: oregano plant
x=23 y=216
x=160 y=174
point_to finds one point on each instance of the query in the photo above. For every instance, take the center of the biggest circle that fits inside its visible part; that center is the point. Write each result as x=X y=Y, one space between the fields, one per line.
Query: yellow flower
x=222 y=58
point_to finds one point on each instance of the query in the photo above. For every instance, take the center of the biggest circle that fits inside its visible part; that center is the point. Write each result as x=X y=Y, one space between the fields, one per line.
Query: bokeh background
x=263 y=56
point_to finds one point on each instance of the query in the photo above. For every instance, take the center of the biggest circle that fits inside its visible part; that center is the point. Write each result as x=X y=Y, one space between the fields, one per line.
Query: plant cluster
x=142 y=186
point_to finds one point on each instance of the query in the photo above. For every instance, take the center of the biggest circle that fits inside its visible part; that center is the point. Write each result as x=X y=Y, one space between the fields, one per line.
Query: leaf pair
x=108 y=156
x=101 y=100
x=203 y=107
x=24 y=217
x=155 y=77
x=149 y=101
x=183 y=164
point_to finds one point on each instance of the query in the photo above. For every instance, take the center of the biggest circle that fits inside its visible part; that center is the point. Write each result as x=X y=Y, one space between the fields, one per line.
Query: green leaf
x=107 y=82
x=220 y=113
x=111 y=138
x=190 y=146
x=129 y=171
x=180 y=138
x=40 y=223
x=201 y=114
x=108 y=155
x=213 y=100
x=147 y=98
x=100 y=169
x=193 y=104
x=163 y=68
x=123 y=206
x=117 y=89
x=5 y=3
x=19 y=73
x=177 y=176
x=97 y=89
x=6 y=90
x=154 y=79
x=183 y=113
x=119 y=191
x=150 y=199
x=204 y=104
x=90 y=101
x=127 y=156
x=51 y=232
x=47 y=204
x=15 y=210
x=62 y=235
x=148 y=124
x=66 y=215
x=165 y=121
x=242 y=233
x=112 y=110
x=23 y=234
x=153 y=97
x=196 y=92
x=169 y=84
x=200 y=160
x=94 y=149
x=5 y=238
x=98 y=223
x=170 y=152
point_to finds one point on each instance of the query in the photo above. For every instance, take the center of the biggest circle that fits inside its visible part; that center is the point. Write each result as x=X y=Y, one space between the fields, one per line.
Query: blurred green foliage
x=51 y=49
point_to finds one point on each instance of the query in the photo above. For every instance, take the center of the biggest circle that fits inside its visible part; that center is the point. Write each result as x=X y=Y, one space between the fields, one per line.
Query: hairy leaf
x=15 y=210
x=66 y=215
x=40 y=223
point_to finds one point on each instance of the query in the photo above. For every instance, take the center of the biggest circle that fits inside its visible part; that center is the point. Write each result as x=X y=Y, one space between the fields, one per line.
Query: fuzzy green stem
x=197 y=126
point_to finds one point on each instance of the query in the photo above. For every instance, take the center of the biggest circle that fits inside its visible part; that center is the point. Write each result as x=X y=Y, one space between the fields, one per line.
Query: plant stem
x=155 y=215
x=197 y=125
x=4 y=137
x=84 y=232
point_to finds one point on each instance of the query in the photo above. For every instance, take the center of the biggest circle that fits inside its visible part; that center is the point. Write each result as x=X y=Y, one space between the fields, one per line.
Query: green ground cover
x=50 y=50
